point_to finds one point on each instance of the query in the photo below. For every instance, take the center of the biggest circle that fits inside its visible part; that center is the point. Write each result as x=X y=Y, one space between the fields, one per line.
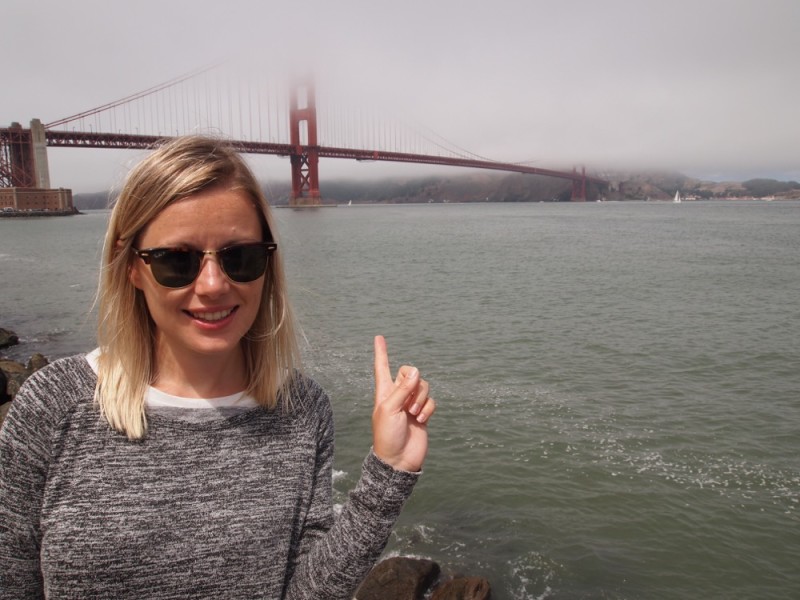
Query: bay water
x=618 y=383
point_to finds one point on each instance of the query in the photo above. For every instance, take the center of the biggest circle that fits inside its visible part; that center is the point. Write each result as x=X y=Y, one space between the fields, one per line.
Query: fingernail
x=414 y=409
x=412 y=374
x=422 y=418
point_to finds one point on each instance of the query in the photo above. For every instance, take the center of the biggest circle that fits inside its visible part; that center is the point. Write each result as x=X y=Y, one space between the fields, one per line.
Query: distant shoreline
x=483 y=188
x=44 y=213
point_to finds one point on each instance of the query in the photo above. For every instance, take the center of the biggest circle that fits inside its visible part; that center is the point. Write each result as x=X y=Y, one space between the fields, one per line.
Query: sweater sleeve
x=24 y=457
x=335 y=559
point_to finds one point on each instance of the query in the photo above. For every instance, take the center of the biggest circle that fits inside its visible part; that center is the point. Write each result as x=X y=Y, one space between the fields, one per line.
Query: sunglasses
x=179 y=267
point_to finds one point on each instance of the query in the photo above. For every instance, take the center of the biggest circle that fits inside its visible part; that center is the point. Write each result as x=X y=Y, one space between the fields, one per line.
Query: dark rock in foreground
x=12 y=376
x=398 y=578
x=4 y=411
x=464 y=588
x=8 y=338
x=403 y=578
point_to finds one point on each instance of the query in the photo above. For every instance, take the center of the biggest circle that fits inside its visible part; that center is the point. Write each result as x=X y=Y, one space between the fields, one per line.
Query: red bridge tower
x=305 y=148
x=579 y=185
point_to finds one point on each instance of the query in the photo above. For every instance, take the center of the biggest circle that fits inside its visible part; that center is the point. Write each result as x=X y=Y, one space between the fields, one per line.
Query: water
x=618 y=383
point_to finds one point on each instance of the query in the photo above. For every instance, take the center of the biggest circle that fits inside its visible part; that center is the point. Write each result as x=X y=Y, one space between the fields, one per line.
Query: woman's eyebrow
x=245 y=239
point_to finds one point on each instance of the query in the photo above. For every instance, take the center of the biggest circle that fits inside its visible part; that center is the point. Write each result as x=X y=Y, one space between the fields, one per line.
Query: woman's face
x=210 y=316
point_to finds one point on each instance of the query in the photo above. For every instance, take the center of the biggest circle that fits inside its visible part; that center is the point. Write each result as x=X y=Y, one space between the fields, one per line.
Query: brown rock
x=15 y=373
x=12 y=387
x=4 y=411
x=464 y=588
x=36 y=362
x=398 y=578
x=12 y=367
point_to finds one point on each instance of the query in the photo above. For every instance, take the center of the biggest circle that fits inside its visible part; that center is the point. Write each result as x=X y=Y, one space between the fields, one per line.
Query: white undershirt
x=156 y=398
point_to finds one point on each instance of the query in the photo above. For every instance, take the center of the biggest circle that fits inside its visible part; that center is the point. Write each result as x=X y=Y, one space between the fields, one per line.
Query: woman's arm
x=333 y=560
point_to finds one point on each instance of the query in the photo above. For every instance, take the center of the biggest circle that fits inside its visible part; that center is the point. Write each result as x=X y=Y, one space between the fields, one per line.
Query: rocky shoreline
x=396 y=578
x=13 y=373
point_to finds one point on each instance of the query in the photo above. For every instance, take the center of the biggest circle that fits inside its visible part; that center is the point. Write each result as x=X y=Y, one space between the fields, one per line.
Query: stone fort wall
x=36 y=199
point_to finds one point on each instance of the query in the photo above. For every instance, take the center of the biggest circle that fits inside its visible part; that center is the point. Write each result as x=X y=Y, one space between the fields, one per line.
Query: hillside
x=662 y=186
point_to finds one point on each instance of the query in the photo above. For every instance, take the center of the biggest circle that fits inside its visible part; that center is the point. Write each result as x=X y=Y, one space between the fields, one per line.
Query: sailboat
x=677 y=198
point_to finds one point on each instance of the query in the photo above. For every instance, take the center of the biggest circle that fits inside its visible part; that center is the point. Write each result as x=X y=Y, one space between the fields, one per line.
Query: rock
x=464 y=588
x=8 y=338
x=4 y=397
x=4 y=411
x=398 y=578
x=36 y=362
x=14 y=374
x=12 y=387
x=13 y=368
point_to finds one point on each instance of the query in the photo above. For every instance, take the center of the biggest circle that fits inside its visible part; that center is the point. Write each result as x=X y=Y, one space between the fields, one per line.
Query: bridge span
x=23 y=157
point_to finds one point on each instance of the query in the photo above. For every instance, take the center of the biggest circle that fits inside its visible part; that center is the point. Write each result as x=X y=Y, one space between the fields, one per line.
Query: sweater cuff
x=381 y=484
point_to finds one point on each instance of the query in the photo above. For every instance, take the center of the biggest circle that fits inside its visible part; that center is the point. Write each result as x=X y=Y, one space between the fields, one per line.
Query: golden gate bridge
x=256 y=118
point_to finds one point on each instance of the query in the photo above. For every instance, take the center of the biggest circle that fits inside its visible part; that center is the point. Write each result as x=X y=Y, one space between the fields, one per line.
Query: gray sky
x=708 y=87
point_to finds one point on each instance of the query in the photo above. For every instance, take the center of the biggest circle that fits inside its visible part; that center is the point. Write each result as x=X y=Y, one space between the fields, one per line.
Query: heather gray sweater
x=227 y=505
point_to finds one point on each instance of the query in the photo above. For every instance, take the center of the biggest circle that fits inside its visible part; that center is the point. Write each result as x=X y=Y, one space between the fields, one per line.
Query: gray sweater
x=225 y=505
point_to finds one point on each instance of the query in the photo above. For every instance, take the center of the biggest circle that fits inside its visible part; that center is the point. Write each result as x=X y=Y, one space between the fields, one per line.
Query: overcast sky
x=708 y=87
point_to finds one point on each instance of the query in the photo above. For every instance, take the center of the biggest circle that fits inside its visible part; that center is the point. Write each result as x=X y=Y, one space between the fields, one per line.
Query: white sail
x=677 y=198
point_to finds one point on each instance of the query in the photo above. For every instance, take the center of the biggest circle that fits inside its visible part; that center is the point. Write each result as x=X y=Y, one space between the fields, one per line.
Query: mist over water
x=617 y=383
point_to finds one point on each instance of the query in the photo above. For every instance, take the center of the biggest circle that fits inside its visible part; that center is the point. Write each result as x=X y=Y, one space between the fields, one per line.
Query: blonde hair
x=126 y=334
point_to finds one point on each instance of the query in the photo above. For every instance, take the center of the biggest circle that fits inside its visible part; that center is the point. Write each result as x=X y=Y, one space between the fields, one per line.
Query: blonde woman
x=187 y=457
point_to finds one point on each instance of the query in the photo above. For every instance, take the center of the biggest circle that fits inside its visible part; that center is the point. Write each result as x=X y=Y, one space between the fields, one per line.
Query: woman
x=187 y=457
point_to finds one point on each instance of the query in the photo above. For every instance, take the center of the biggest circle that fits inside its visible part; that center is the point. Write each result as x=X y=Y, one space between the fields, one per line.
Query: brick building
x=36 y=199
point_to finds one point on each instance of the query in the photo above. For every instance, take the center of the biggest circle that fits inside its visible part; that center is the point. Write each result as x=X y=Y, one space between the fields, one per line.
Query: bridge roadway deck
x=84 y=139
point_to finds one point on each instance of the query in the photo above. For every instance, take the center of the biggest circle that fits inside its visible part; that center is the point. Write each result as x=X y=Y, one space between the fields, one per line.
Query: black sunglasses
x=179 y=267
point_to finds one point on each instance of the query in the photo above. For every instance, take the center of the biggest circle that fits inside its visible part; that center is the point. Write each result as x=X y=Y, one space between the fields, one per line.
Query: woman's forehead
x=216 y=214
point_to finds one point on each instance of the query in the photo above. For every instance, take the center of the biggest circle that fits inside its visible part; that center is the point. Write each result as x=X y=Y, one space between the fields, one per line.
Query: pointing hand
x=401 y=413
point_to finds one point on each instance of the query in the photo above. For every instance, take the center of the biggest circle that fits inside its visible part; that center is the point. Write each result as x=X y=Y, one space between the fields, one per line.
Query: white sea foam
x=531 y=577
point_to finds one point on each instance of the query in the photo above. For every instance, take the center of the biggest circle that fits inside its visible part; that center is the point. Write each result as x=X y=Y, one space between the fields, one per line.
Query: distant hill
x=92 y=201
x=478 y=186
x=663 y=185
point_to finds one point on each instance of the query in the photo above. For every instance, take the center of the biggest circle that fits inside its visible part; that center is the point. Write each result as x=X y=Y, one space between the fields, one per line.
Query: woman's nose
x=211 y=280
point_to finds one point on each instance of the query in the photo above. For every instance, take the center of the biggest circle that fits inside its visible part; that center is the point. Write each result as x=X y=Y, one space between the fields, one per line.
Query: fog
x=705 y=87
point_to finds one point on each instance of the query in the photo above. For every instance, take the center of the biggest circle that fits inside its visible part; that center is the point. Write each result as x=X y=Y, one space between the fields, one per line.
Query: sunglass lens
x=243 y=263
x=175 y=268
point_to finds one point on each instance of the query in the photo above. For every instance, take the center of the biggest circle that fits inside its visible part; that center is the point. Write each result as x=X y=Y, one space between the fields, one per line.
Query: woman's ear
x=134 y=274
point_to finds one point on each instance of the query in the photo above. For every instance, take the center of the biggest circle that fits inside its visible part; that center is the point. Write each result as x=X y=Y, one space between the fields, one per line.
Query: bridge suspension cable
x=260 y=116
x=127 y=99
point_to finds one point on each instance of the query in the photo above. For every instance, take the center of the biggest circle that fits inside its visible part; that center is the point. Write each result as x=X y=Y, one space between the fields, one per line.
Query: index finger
x=383 y=375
